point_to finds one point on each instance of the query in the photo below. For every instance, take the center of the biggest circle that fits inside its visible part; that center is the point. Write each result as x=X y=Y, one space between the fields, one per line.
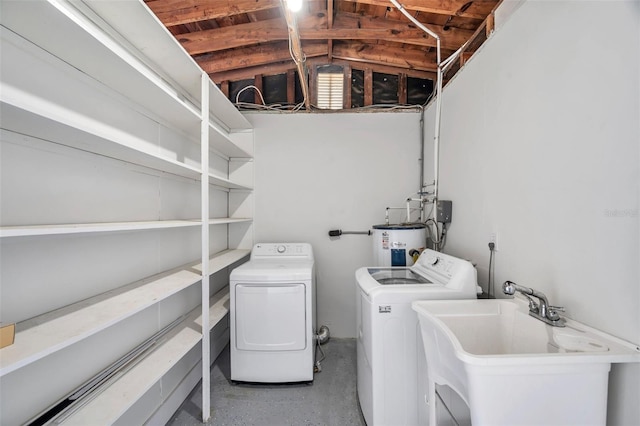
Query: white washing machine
x=390 y=356
x=273 y=315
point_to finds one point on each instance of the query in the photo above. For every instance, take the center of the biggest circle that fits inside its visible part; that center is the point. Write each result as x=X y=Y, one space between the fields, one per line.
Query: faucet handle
x=509 y=287
x=552 y=312
x=533 y=306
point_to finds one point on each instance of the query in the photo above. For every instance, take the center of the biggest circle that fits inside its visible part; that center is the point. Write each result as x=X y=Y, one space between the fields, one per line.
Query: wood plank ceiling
x=235 y=40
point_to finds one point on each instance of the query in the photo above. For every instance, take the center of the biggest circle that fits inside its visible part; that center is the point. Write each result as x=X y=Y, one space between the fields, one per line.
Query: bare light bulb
x=294 y=5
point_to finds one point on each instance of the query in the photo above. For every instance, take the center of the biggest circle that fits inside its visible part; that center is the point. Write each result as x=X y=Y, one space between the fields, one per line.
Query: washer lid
x=273 y=270
x=397 y=276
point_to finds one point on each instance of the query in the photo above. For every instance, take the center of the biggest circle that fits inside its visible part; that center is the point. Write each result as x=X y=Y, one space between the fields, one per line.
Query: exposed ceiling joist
x=389 y=56
x=256 y=55
x=476 y=9
x=177 y=12
x=283 y=67
x=238 y=39
x=346 y=26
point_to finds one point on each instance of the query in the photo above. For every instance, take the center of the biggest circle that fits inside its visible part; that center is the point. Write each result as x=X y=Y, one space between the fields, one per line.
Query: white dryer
x=390 y=355
x=273 y=315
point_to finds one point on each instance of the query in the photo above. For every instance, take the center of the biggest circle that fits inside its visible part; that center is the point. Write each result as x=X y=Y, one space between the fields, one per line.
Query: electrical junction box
x=444 y=209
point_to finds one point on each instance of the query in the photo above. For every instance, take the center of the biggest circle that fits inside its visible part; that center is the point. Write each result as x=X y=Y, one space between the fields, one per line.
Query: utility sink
x=513 y=369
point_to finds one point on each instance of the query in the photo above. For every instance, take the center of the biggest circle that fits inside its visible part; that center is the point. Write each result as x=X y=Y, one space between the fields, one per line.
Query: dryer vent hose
x=323 y=335
x=321 y=338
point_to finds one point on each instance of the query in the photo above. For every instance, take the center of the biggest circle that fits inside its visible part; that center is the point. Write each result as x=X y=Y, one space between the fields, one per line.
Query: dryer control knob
x=281 y=249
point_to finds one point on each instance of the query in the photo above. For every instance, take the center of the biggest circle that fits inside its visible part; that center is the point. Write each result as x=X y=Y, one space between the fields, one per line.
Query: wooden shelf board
x=131 y=52
x=137 y=26
x=230 y=118
x=226 y=183
x=25 y=118
x=41 y=336
x=229 y=220
x=221 y=142
x=80 y=42
x=117 y=398
x=47 y=113
x=83 y=228
x=223 y=259
x=140 y=27
x=86 y=228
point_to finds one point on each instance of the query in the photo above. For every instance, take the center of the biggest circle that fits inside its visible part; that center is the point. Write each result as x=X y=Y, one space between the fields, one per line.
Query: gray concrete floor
x=330 y=400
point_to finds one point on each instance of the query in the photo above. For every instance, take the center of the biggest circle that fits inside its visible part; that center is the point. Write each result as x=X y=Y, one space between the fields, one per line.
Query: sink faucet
x=542 y=310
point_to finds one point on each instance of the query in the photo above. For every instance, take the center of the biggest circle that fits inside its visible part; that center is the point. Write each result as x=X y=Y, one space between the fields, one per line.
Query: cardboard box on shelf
x=7 y=334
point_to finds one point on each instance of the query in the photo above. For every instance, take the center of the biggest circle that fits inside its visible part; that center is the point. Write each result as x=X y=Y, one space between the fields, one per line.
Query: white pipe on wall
x=442 y=65
x=436 y=137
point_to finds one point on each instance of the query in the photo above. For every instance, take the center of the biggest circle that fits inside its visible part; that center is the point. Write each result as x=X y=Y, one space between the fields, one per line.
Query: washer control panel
x=298 y=250
x=438 y=262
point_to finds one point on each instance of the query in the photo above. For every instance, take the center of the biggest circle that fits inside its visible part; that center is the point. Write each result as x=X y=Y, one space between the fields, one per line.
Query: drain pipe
x=421 y=161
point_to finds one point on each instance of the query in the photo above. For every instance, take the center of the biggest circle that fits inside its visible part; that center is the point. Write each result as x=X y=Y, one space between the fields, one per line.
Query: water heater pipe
x=408 y=210
x=436 y=137
x=421 y=160
x=442 y=66
x=409 y=200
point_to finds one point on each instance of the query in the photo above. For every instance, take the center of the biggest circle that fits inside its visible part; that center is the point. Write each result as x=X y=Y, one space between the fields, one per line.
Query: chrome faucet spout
x=542 y=310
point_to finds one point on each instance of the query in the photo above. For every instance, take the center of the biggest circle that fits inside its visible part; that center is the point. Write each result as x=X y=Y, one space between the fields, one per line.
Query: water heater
x=392 y=244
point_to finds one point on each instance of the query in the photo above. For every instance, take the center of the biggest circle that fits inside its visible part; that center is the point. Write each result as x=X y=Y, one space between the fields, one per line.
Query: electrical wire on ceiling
x=247 y=106
x=296 y=52
x=247 y=88
x=263 y=106
x=296 y=107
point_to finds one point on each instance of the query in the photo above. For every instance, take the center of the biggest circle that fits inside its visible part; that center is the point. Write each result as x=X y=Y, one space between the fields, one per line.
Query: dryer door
x=270 y=317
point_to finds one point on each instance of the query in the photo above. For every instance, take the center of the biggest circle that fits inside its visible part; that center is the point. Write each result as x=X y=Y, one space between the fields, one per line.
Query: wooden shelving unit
x=107 y=79
x=51 y=332
x=122 y=394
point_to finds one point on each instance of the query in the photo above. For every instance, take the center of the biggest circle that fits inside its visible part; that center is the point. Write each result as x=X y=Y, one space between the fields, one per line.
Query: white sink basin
x=510 y=367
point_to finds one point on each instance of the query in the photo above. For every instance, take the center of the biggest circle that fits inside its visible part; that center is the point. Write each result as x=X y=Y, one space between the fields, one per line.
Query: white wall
x=316 y=172
x=540 y=143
